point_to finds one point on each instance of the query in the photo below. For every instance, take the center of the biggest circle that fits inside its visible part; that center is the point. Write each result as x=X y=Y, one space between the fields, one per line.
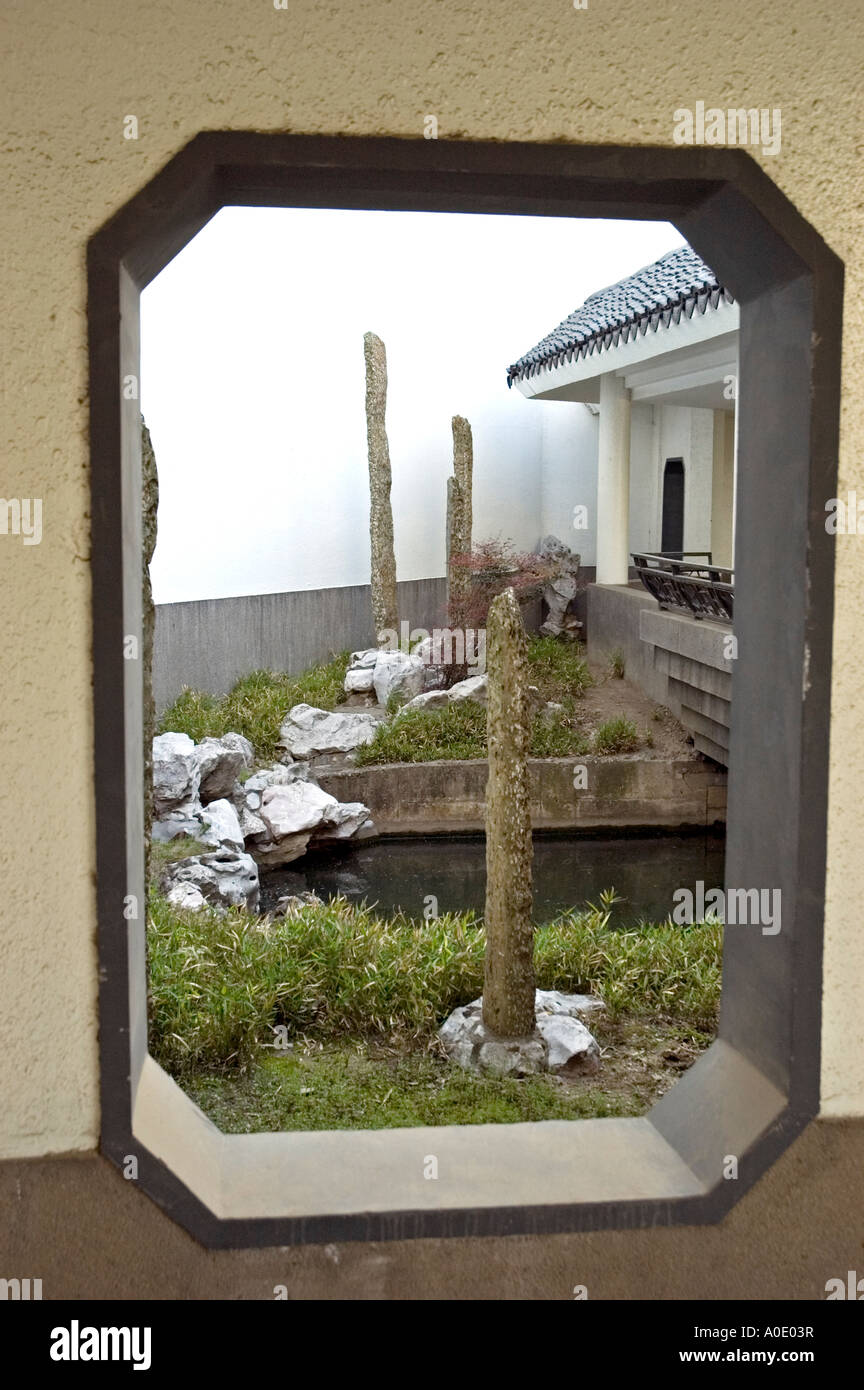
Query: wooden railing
x=684 y=579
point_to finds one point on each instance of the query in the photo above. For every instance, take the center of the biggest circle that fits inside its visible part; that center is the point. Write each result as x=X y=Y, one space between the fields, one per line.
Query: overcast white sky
x=252 y=379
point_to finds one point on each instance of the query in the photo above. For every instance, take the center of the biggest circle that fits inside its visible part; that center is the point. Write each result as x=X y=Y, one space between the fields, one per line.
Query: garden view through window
x=441 y=543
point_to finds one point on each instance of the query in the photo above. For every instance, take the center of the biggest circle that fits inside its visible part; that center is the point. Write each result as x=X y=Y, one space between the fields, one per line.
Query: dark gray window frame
x=758 y=1086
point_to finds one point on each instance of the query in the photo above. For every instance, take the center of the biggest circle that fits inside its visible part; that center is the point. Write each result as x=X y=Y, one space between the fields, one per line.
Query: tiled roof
x=679 y=283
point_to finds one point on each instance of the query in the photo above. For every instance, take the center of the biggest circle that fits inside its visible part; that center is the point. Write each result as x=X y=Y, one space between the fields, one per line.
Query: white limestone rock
x=239 y=741
x=468 y=1043
x=561 y=1043
x=180 y=820
x=343 y=821
x=474 y=688
x=512 y=1057
x=272 y=854
x=187 y=896
x=365 y=658
x=359 y=676
x=220 y=761
x=552 y=1001
x=397 y=673
x=289 y=815
x=224 y=879
x=570 y=1048
x=176 y=777
x=278 y=775
x=433 y=653
x=309 y=732
x=250 y=823
x=429 y=651
x=221 y=825
x=559 y=594
x=429 y=699
x=217 y=824
x=359 y=682
x=286 y=810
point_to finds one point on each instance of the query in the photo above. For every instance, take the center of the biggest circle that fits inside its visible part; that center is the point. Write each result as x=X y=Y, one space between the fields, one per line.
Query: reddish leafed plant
x=493 y=566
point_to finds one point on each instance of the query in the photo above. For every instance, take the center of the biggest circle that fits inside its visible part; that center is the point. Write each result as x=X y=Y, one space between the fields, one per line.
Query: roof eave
x=577 y=377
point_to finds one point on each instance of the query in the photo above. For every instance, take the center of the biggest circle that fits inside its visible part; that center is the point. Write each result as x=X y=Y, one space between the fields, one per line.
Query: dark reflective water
x=568 y=872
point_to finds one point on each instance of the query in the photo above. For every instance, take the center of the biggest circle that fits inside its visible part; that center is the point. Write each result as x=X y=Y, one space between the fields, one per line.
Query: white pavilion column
x=722 y=487
x=613 y=482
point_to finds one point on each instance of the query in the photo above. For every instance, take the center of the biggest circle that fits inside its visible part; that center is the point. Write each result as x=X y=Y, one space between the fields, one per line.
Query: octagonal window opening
x=742 y=1098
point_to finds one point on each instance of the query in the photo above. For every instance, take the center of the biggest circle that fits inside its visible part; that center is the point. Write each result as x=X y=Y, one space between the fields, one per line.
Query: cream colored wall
x=487 y=69
x=722 y=486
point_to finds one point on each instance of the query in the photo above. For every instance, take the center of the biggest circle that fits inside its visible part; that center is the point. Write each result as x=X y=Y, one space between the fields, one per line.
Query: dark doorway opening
x=672 y=534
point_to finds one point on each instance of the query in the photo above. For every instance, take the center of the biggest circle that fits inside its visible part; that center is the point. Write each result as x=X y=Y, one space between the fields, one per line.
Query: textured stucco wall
x=486 y=70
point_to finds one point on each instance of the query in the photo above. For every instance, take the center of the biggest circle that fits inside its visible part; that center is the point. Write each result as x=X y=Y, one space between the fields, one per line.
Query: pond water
x=568 y=872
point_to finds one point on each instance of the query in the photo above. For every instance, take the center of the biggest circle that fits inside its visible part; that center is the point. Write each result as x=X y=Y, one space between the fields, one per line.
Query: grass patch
x=256 y=705
x=616 y=664
x=358 y=1086
x=218 y=986
x=557 y=736
x=361 y=1083
x=426 y=735
x=558 y=669
x=617 y=736
x=459 y=731
x=559 y=672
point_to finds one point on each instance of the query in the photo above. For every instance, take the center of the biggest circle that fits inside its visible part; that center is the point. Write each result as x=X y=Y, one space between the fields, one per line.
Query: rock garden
x=326 y=1014
x=322 y=1014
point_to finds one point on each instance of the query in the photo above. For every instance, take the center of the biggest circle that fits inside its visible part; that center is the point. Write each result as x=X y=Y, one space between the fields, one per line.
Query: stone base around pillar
x=560 y=1043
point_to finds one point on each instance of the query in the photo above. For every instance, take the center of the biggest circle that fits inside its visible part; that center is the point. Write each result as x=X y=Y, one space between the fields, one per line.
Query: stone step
x=699 y=723
x=718 y=683
x=710 y=706
x=710 y=749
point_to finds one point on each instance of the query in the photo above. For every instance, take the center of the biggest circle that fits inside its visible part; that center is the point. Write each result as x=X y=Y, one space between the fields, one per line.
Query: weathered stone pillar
x=456 y=575
x=463 y=471
x=460 y=518
x=383 y=569
x=149 y=508
x=613 y=482
x=508 y=991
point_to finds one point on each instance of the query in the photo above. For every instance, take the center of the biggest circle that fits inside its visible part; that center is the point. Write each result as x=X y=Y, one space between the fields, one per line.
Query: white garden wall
x=252 y=385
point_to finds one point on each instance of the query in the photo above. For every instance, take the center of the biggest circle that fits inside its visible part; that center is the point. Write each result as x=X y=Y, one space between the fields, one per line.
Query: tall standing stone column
x=149 y=509
x=383 y=569
x=508 y=991
x=463 y=470
x=460 y=518
x=456 y=576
